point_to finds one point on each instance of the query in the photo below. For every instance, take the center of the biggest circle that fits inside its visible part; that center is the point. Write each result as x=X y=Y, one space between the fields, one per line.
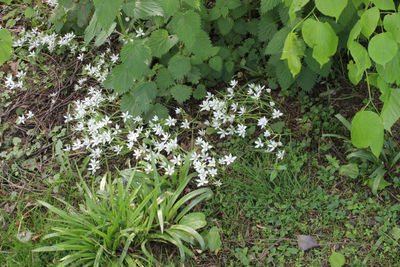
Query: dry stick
x=102 y=247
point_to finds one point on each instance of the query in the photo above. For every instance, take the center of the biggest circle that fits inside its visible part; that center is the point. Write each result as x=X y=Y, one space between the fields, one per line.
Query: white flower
x=29 y=115
x=21 y=119
x=241 y=130
x=155 y=118
x=272 y=104
x=114 y=58
x=202 y=181
x=262 y=122
x=280 y=154
x=267 y=133
x=139 y=32
x=94 y=165
x=80 y=57
x=170 y=121
x=169 y=170
x=259 y=143
x=117 y=149
x=126 y=116
x=176 y=160
x=233 y=83
x=218 y=183
x=185 y=124
x=229 y=159
x=276 y=114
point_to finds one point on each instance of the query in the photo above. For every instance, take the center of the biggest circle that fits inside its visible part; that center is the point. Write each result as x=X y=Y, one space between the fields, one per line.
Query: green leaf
x=395 y=232
x=164 y=78
x=203 y=47
x=195 y=220
x=293 y=50
x=391 y=22
x=337 y=259
x=225 y=25
x=213 y=239
x=321 y=37
x=181 y=93
x=93 y=29
x=5 y=45
x=384 y=4
x=349 y=170
x=137 y=56
x=355 y=75
x=307 y=79
x=295 y=6
x=390 y=72
x=362 y=60
x=369 y=20
x=193 y=3
x=170 y=6
x=216 y=63
x=103 y=35
x=120 y=79
x=382 y=48
x=332 y=8
x=142 y=9
x=275 y=46
x=29 y=12
x=179 y=66
x=200 y=92
x=106 y=11
x=354 y=33
x=160 y=42
x=186 y=25
x=139 y=100
x=267 y=5
x=391 y=108
x=367 y=131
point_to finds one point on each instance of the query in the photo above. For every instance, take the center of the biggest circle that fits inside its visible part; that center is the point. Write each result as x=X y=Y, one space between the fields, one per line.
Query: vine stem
x=369 y=94
x=300 y=22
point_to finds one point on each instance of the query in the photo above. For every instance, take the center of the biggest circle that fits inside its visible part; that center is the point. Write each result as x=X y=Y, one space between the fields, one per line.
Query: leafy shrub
x=125 y=215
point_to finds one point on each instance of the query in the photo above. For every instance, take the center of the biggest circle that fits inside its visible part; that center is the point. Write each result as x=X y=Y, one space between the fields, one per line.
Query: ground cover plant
x=200 y=133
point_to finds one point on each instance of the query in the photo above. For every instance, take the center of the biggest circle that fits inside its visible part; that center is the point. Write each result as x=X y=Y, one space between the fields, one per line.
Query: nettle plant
x=5 y=45
x=369 y=32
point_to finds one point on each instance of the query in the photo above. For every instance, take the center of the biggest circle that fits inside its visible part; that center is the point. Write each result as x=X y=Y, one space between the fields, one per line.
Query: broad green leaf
x=179 y=66
x=29 y=12
x=84 y=10
x=337 y=259
x=293 y=50
x=142 y=9
x=391 y=108
x=137 y=56
x=391 y=22
x=193 y=3
x=355 y=75
x=295 y=6
x=395 y=232
x=200 y=92
x=216 y=63
x=275 y=46
x=349 y=170
x=332 y=8
x=140 y=99
x=195 y=220
x=360 y=56
x=354 y=33
x=382 y=48
x=203 y=47
x=106 y=11
x=66 y=3
x=384 y=4
x=267 y=5
x=5 y=45
x=170 y=7
x=321 y=37
x=283 y=74
x=390 y=71
x=213 y=239
x=103 y=35
x=94 y=28
x=181 y=93
x=307 y=79
x=160 y=42
x=367 y=130
x=187 y=26
x=6 y=1
x=120 y=79
x=164 y=78
x=225 y=25
x=369 y=20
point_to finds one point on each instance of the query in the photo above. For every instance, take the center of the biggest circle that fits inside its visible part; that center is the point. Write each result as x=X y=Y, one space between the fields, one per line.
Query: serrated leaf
x=213 y=239
x=106 y=11
x=332 y=8
x=284 y=75
x=139 y=99
x=391 y=108
x=321 y=37
x=391 y=22
x=367 y=131
x=194 y=75
x=164 y=78
x=337 y=259
x=120 y=79
x=187 y=26
x=200 y=92
x=395 y=232
x=369 y=20
x=275 y=46
x=170 y=6
x=103 y=35
x=93 y=29
x=349 y=170
x=293 y=50
x=5 y=45
x=160 y=42
x=216 y=63
x=382 y=48
x=384 y=4
x=225 y=25
x=141 y=9
x=193 y=3
x=84 y=10
x=157 y=110
x=137 y=56
x=203 y=47
x=324 y=71
x=179 y=66
x=181 y=93
x=267 y=5
x=297 y=5
x=307 y=79
x=267 y=27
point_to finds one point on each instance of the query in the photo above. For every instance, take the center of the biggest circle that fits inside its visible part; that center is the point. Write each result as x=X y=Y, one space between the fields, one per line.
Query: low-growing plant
x=118 y=222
